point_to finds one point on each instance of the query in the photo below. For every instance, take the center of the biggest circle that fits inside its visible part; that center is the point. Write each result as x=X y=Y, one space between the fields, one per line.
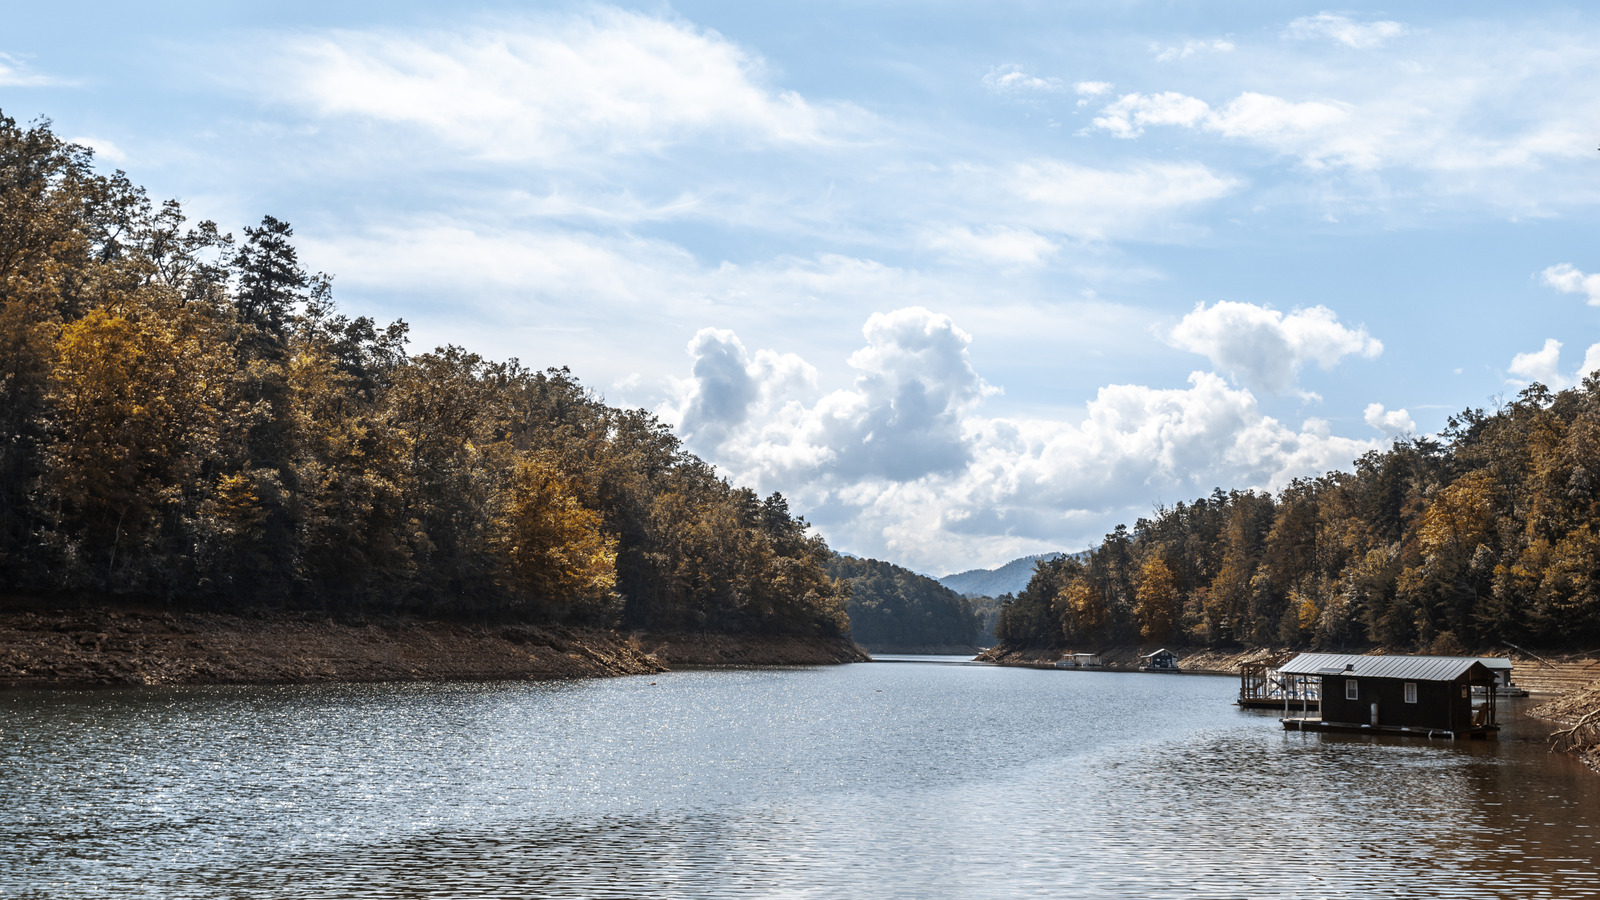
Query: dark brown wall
x=1439 y=703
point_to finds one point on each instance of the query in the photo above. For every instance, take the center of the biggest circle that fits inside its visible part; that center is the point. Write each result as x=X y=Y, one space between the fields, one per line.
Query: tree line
x=1489 y=533
x=188 y=417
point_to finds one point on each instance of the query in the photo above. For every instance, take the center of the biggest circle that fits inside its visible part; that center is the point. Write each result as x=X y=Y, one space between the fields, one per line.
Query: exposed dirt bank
x=1126 y=658
x=748 y=650
x=132 y=646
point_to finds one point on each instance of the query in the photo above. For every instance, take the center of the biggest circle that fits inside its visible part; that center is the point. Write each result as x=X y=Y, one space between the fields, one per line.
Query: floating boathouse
x=1162 y=660
x=1424 y=696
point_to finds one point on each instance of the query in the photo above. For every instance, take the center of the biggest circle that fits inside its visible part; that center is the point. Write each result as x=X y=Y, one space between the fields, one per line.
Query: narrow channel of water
x=917 y=779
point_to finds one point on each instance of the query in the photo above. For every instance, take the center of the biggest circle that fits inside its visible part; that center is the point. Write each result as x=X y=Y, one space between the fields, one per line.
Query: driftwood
x=1583 y=735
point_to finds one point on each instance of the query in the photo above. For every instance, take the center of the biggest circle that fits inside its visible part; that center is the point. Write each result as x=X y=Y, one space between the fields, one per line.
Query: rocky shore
x=106 y=646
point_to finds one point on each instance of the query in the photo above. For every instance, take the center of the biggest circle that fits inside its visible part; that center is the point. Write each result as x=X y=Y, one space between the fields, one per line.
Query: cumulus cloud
x=1393 y=423
x=726 y=384
x=1265 y=348
x=1567 y=279
x=550 y=89
x=1544 y=366
x=1190 y=48
x=1347 y=31
x=1010 y=79
x=1092 y=88
x=904 y=464
x=901 y=420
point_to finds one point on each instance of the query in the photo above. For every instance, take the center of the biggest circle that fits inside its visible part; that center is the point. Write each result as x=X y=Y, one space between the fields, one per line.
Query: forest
x=894 y=607
x=1484 y=535
x=188 y=418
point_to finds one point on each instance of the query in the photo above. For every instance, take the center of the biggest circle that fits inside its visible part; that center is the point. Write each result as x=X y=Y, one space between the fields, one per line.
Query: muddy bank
x=1126 y=658
x=748 y=650
x=104 y=646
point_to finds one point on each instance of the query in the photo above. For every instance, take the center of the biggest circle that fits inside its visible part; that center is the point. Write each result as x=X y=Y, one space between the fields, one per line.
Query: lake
x=911 y=779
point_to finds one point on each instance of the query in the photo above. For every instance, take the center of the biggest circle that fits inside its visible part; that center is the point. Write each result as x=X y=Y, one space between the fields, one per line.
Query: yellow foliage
x=1156 y=599
x=140 y=398
x=1459 y=516
x=552 y=547
x=1306 y=610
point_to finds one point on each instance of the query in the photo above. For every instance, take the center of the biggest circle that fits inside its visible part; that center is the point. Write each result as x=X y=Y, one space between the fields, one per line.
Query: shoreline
x=105 y=646
x=1570 y=689
x=1125 y=658
x=1541 y=677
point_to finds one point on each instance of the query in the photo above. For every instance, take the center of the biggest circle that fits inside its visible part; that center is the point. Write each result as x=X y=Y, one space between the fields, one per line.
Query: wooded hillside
x=185 y=416
x=892 y=606
x=1490 y=534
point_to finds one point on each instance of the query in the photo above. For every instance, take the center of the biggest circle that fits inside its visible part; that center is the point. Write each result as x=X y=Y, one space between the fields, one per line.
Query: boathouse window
x=1411 y=692
x=1350 y=689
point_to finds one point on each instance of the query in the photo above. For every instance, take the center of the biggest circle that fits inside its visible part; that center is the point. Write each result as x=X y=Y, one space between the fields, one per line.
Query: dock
x=1315 y=723
x=1261 y=686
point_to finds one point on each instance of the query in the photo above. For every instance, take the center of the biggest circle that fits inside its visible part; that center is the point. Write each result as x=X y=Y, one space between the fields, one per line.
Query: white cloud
x=1541 y=365
x=1567 y=279
x=1393 y=423
x=904 y=465
x=1092 y=88
x=102 y=148
x=1467 y=106
x=999 y=244
x=1127 y=117
x=1098 y=203
x=1361 y=36
x=1265 y=348
x=448 y=255
x=1010 y=79
x=726 y=384
x=1190 y=48
x=1313 y=130
x=901 y=420
x=550 y=90
x=1544 y=366
x=16 y=73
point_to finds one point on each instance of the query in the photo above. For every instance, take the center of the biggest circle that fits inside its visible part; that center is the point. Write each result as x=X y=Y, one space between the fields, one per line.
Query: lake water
x=914 y=779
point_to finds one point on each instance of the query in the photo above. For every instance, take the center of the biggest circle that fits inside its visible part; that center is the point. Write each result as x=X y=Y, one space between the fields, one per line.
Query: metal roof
x=1411 y=668
x=1495 y=662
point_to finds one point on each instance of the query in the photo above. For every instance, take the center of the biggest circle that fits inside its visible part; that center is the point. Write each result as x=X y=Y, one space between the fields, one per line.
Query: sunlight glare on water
x=914 y=779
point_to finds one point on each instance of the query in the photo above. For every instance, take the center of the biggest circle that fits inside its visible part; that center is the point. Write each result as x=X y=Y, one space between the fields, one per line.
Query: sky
x=962 y=281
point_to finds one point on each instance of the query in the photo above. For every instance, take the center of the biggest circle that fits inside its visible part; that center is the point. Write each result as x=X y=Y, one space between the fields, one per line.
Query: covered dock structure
x=1262 y=686
x=1423 y=696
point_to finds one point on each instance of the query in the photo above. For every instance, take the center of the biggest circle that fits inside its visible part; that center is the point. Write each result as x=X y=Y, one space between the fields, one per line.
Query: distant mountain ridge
x=1008 y=579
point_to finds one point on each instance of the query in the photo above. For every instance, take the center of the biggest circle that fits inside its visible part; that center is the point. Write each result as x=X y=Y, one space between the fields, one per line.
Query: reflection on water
x=909 y=780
